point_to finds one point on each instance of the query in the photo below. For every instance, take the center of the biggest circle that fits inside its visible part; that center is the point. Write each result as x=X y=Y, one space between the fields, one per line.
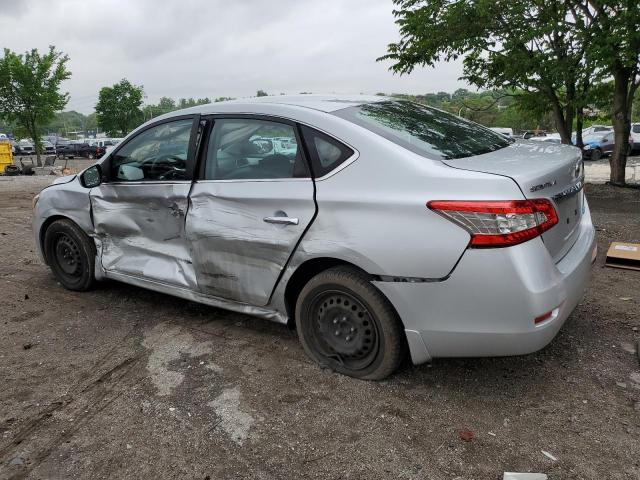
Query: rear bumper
x=488 y=305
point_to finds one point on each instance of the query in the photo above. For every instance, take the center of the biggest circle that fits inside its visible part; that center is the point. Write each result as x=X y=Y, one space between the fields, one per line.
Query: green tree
x=191 y=102
x=261 y=93
x=616 y=55
x=30 y=90
x=524 y=45
x=167 y=104
x=65 y=122
x=91 y=121
x=118 y=109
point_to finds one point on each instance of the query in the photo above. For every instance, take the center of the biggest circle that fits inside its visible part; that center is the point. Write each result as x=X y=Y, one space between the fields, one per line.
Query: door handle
x=281 y=220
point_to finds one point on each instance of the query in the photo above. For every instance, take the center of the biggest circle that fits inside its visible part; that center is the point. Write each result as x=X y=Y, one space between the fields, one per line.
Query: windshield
x=424 y=130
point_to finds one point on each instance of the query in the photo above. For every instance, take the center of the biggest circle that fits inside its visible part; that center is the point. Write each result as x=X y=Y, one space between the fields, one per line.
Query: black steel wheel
x=71 y=255
x=346 y=324
x=596 y=154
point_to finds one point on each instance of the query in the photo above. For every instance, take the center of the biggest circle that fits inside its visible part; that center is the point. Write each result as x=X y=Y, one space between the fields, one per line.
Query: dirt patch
x=125 y=383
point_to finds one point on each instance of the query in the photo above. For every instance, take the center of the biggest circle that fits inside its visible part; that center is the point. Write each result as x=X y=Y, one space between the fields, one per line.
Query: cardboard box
x=623 y=255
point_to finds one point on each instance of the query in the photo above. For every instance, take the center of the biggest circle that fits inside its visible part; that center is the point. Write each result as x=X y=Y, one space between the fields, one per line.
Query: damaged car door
x=139 y=211
x=249 y=208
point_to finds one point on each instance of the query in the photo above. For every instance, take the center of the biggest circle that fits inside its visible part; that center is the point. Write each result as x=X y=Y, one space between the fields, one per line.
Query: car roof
x=323 y=103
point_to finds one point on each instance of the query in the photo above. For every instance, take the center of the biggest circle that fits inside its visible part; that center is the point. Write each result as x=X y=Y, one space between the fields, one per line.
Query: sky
x=213 y=48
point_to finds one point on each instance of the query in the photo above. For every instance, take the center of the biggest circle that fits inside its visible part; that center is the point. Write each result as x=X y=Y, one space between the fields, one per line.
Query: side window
x=159 y=153
x=253 y=149
x=326 y=152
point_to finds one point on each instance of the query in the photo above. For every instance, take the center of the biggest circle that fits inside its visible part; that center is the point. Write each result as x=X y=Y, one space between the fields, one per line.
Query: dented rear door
x=250 y=207
x=139 y=212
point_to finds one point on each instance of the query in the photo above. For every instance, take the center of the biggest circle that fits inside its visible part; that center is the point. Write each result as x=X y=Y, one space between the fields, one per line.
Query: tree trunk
x=621 y=126
x=563 y=118
x=561 y=124
x=579 y=125
x=36 y=142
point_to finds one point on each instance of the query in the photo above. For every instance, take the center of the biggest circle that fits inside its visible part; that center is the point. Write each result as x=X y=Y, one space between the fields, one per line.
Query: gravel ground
x=599 y=171
x=125 y=383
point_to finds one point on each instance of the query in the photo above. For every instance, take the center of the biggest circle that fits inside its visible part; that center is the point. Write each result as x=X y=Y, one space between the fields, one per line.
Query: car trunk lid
x=541 y=170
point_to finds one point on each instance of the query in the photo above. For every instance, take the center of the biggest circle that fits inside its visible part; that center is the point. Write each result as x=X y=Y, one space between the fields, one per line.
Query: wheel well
x=302 y=275
x=43 y=230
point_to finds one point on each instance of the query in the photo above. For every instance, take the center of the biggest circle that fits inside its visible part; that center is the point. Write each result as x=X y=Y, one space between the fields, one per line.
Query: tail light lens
x=498 y=223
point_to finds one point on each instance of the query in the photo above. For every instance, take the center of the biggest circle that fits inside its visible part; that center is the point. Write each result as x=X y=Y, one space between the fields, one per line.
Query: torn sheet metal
x=140 y=227
x=237 y=253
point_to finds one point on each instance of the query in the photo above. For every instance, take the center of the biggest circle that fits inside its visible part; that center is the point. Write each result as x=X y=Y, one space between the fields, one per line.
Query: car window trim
x=211 y=118
x=190 y=151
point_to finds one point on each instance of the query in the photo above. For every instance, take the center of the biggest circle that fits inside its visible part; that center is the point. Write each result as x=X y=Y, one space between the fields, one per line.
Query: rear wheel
x=596 y=154
x=70 y=254
x=346 y=324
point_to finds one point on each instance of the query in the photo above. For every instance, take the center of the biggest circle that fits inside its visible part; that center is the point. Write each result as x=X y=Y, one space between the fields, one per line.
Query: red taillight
x=498 y=223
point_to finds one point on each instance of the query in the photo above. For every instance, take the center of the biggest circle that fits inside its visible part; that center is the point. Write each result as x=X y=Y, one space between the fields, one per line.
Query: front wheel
x=346 y=324
x=71 y=255
x=596 y=154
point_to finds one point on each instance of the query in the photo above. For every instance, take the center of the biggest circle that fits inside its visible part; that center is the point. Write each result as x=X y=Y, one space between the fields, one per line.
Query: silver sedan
x=377 y=226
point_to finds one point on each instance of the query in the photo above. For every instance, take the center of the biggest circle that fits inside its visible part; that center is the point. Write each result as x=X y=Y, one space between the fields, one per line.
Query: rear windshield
x=424 y=130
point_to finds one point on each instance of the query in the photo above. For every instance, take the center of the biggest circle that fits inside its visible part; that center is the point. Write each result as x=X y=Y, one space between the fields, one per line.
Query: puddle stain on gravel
x=167 y=344
x=234 y=421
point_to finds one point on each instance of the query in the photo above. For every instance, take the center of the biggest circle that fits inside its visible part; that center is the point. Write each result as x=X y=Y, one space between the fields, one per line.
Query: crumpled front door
x=141 y=229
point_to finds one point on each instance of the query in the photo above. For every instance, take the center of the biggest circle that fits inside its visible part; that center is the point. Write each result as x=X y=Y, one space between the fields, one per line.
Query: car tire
x=71 y=255
x=345 y=323
x=596 y=154
x=90 y=156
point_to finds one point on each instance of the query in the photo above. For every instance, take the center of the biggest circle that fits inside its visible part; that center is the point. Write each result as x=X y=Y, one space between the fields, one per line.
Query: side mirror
x=91 y=177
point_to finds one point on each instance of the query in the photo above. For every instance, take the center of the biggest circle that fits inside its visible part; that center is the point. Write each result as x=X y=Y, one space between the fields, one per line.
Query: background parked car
x=600 y=144
x=635 y=135
x=77 y=149
x=23 y=147
x=507 y=132
x=101 y=145
x=595 y=129
x=551 y=138
x=48 y=148
x=533 y=133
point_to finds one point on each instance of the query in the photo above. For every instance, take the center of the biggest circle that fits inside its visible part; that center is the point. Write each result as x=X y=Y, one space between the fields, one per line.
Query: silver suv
x=383 y=227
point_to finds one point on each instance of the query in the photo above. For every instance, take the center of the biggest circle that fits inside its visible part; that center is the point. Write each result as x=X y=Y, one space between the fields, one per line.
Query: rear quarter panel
x=373 y=212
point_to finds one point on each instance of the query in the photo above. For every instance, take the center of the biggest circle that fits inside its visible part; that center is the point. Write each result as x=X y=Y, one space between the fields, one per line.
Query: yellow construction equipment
x=6 y=155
